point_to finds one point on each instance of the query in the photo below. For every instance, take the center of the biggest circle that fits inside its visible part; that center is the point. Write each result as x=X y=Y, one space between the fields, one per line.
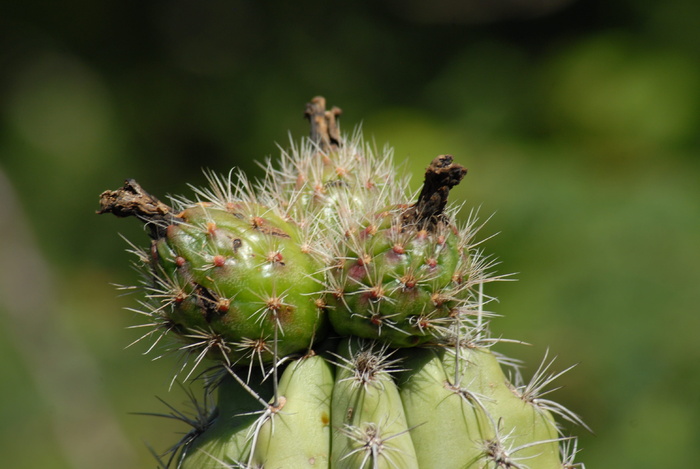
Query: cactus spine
x=345 y=321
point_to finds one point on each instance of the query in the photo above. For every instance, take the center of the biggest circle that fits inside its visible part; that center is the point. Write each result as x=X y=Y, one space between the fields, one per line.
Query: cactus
x=343 y=322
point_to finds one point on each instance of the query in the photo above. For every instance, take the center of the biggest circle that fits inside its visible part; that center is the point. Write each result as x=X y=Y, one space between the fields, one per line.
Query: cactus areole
x=343 y=322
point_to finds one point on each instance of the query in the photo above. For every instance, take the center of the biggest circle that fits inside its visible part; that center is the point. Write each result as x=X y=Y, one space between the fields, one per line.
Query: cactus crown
x=335 y=302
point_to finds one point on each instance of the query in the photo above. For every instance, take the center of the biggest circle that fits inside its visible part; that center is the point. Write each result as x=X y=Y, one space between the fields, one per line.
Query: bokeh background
x=579 y=123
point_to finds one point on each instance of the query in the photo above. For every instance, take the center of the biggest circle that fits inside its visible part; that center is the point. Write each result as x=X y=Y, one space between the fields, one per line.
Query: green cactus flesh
x=369 y=424
x=400 y=284
x=298 y=433
x=382 y=410
x=343 y=321
x=477 y=407
x=237 y=277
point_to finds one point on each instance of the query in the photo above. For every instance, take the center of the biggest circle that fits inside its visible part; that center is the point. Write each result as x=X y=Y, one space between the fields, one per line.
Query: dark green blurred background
x=579 y=122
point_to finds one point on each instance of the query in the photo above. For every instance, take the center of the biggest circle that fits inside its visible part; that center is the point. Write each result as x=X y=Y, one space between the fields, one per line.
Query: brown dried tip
x=133 y=200
x=441 y=176
x=324 y=124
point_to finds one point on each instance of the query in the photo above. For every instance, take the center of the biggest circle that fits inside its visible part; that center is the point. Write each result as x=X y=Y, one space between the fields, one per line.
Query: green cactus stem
x=369 y=423
x=298 y=434
x=488 y=422
x=341 y=317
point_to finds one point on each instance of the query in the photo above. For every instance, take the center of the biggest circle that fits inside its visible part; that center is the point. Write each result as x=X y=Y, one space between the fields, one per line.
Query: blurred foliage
x=578 y=121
